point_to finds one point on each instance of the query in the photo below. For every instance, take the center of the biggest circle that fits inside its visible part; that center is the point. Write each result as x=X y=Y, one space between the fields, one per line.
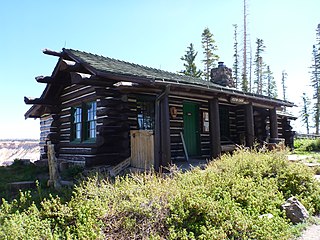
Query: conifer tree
x=284 y=84
x=304 y=113
x=209 y=49
x=236 y=57
x=244 y=75
x=190 y=66
x=315 y=81
x=271 y=84
x=259 y=65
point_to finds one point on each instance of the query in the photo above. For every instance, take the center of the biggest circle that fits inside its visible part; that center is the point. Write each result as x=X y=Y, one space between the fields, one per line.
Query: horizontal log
x=120 y=147
x=111 y=102
x=80 y=151
x=106 y=159
x=80 y=93
x=120 y=109
x=113 y=121
x=113 y=129
x=115 y=113
x=108 y=92
x=101 y=141
x=108 y=119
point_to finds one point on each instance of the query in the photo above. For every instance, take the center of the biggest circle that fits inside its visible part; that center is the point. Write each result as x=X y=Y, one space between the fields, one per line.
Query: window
x=91 y=120
x=84 y=122
x=145 y=110
x=77 y=122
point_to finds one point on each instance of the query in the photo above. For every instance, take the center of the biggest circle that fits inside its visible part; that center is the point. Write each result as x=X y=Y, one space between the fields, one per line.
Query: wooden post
x=273 y=123
x=214 y=123
x=162 y=155
x=165 y=132
x=249 y=125
x=54 y=177
x=157 y=136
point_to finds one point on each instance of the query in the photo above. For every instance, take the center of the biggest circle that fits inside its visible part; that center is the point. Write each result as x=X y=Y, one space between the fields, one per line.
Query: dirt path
x=311 y=233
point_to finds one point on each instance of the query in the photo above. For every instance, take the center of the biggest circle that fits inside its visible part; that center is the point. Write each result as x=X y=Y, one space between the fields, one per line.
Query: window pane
x=145 y=115
x=77 y=119
x=91 y=120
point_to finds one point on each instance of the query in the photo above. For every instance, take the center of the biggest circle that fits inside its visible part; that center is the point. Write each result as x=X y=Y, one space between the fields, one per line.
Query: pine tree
x=244 y=82
x=271 y=84
x=209 y=49
x=284 y=84
x=259 y=65
x=189 y=58
x=315 y=81
x=250 y=70
x=236 y=56
x=304 y=113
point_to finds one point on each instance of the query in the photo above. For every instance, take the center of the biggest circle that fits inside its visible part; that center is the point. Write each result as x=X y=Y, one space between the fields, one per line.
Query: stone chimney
x=222 y=75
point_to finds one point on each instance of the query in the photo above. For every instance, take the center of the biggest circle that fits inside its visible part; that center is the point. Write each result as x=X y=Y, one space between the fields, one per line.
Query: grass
x=224 y=201
x=18 y=172
x=306 y=146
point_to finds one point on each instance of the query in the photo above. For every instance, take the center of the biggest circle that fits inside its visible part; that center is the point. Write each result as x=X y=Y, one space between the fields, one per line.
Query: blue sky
x=152 y=33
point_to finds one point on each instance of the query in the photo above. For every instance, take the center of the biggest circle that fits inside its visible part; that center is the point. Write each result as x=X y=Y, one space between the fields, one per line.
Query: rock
x=268 y=215
x=295 y=211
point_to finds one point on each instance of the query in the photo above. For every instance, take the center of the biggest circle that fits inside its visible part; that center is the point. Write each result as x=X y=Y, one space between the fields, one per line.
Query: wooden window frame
x=87 y=124
x=148 y=112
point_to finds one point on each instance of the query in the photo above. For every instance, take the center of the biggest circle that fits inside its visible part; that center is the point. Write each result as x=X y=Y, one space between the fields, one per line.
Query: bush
x=227 y=200
x=307 y=145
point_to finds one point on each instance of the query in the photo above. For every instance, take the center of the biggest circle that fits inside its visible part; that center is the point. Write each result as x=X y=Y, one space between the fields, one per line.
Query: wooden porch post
x=273 y=123
x=249 y=125
x=162 y=155
x=157 y=136
x=165 y=132
x=214 y=123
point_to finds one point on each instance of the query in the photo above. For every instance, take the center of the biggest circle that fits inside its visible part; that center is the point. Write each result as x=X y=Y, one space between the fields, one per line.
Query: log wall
x=72 y=96
x=112 y=141
x=45 y=125
x=176 y=126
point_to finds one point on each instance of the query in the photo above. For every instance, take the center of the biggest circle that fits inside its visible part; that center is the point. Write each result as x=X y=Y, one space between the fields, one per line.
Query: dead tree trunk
x=54 y=176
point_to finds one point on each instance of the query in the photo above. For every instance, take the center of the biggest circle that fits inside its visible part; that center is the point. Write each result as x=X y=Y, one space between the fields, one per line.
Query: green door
x=191 y=127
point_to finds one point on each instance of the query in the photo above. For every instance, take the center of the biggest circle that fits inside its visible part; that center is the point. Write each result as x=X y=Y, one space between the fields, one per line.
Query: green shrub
x=227 y=200
x=307 y=145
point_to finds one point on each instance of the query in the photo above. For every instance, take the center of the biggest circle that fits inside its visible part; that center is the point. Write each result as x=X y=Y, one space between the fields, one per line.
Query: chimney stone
x=222 y=75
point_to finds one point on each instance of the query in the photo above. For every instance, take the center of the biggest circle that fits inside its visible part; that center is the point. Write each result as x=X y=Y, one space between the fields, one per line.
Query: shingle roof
x=103 y=64
x=111 y=65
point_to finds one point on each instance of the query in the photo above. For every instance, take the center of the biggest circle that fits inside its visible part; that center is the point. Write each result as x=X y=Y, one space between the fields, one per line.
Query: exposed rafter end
x=67 y=65
x=43 y=79
x=37 y=101
x=78 y=78
x=51 y=52
x=29 y=100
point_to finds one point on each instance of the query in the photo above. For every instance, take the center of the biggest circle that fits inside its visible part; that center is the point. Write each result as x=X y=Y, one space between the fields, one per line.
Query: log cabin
x=102 y=111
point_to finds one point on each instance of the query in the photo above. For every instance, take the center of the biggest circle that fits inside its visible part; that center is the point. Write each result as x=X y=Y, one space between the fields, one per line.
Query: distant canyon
x=18 y=149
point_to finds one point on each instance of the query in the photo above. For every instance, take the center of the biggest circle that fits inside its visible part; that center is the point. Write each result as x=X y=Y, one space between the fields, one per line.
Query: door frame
x=196 y=133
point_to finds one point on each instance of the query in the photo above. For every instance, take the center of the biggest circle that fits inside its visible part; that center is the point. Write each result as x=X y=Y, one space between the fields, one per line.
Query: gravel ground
x=311 y=233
